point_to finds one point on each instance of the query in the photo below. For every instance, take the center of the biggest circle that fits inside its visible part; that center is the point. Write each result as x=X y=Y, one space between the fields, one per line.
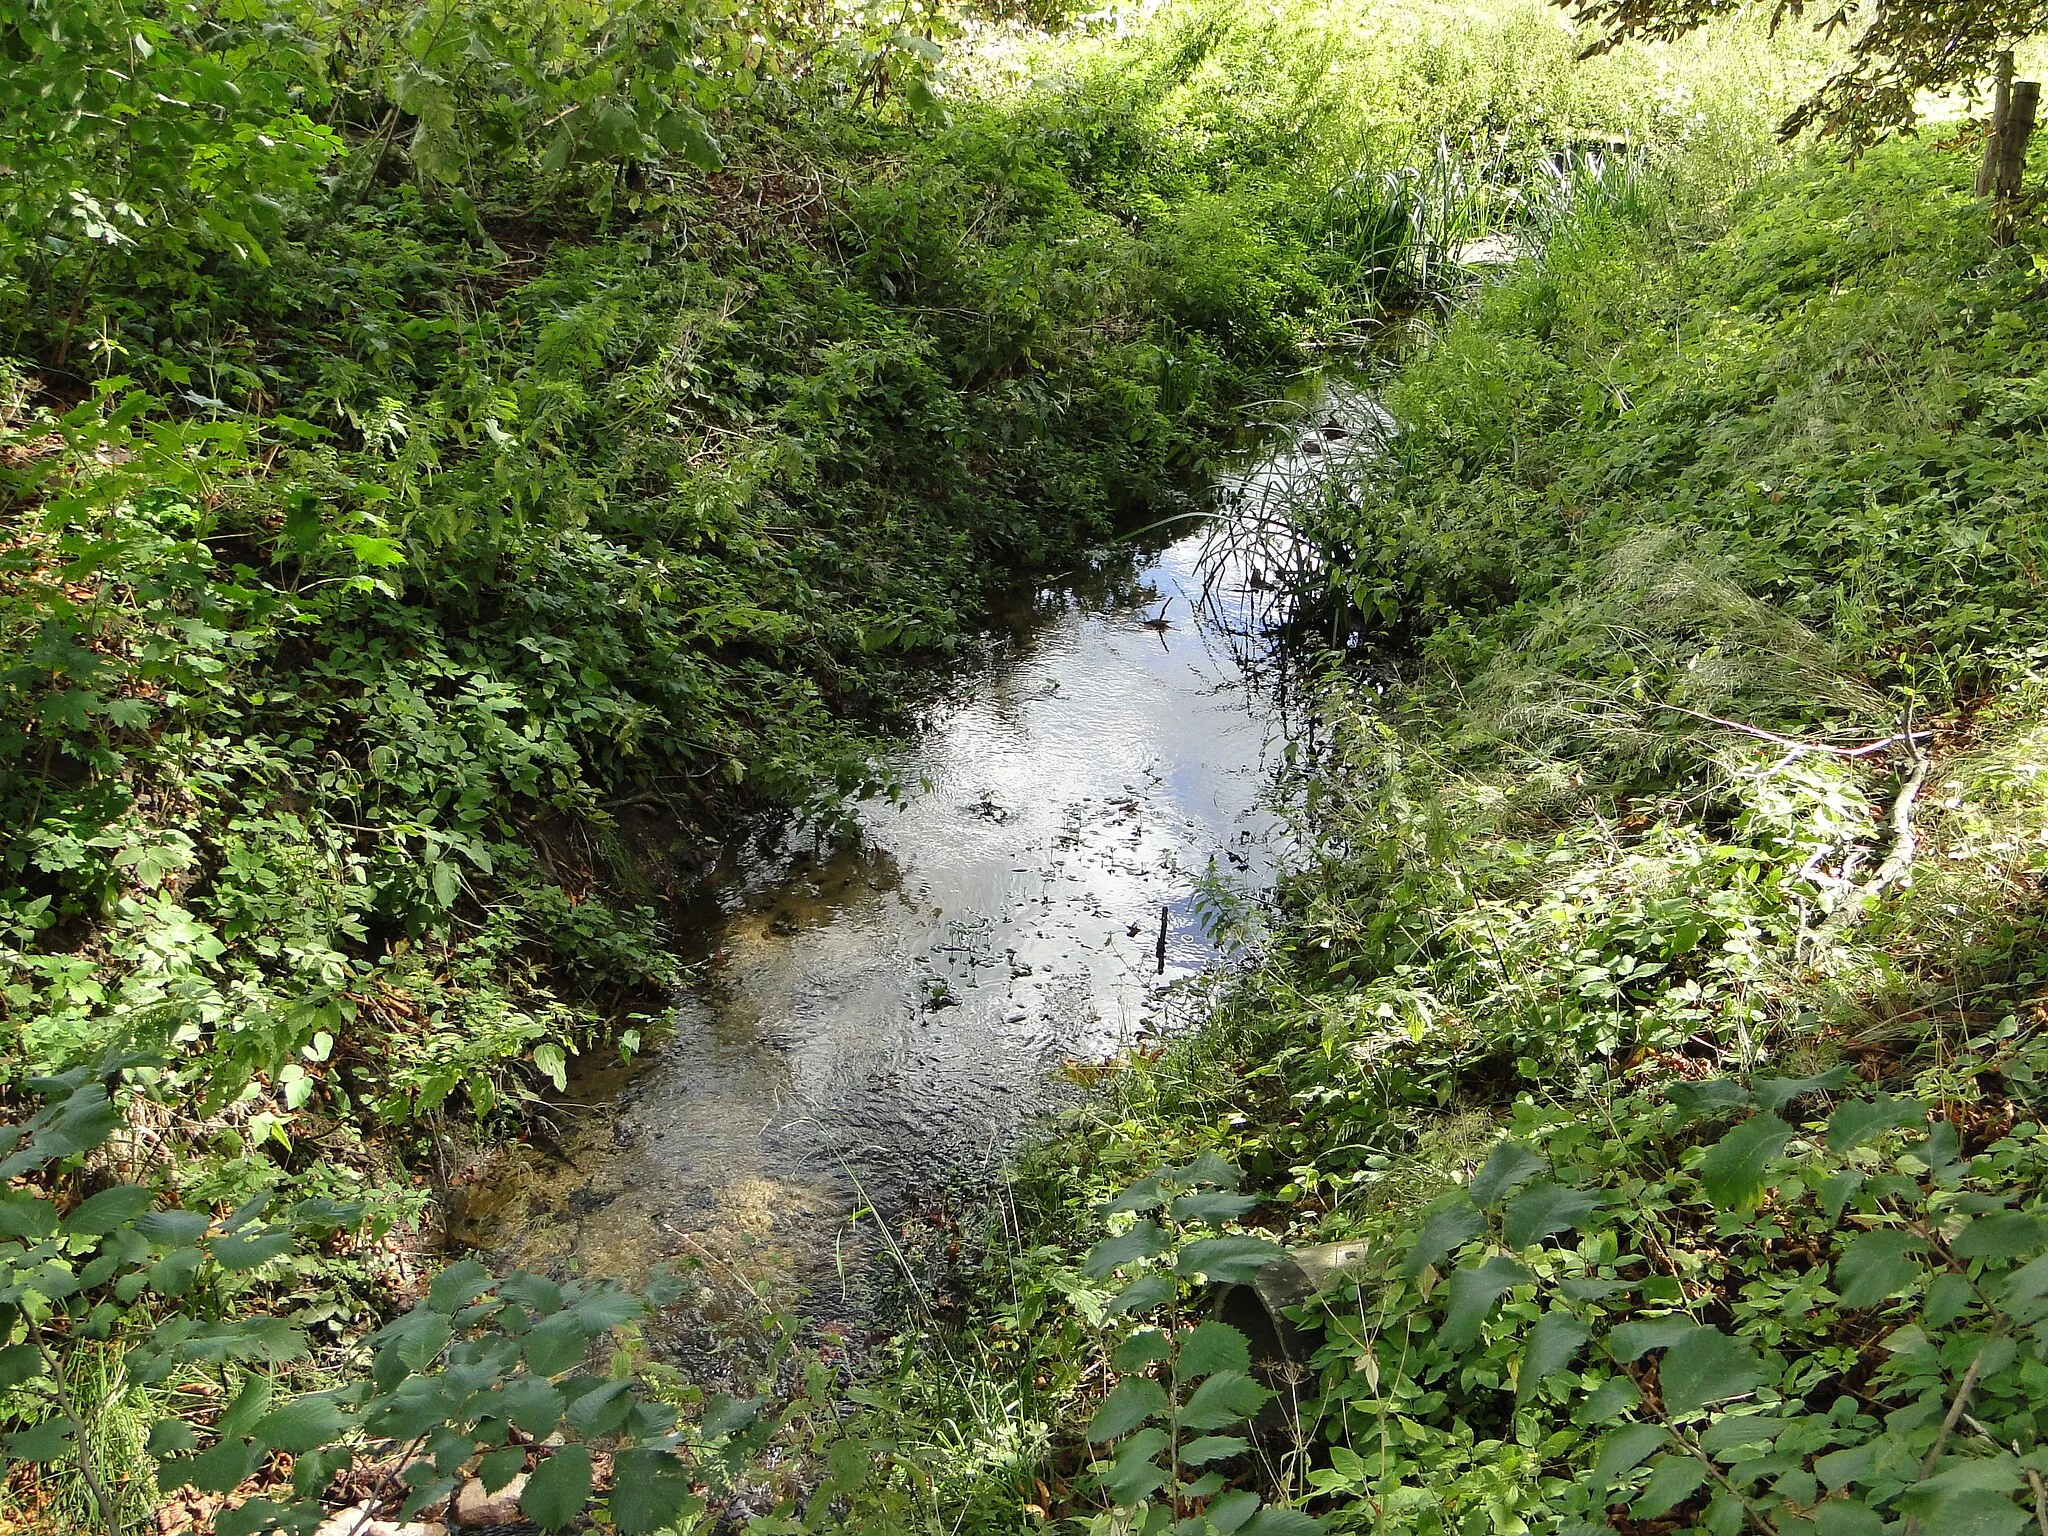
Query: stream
x=878 y=1019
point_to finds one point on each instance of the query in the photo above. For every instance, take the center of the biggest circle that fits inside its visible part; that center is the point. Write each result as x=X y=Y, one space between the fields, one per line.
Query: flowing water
x=877 y=1019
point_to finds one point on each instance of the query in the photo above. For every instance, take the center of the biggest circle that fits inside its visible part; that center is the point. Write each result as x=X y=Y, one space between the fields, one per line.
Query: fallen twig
x=1868 y=749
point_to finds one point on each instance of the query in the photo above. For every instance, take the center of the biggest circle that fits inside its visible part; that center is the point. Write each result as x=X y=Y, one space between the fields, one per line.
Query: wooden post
x=2001 y=103
x=2012 y=155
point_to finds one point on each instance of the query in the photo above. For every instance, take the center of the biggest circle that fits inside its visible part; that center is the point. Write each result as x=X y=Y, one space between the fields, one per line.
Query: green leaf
x=220 y=1470
x=47 y=1441
x=457 y=1285
x=1714 y=1096
x=1949 y=1296
x=1509 y=1164
x=1774 y=1093
x=1840 y=1517
x=1148 y=1346
x=1231 y=1511
x=173 y=1229
x=1142 y=1295
x=1283 y=1522
x=1556 y=1338
x=1212 y=1347
x=240 y=1252
x=1860 y=1119
x=1970 y=1498
x=110 y=1208
x=1673 y=1479
x=1228 y=1260
x=1624 y=1449
x=1449 y=1226
x=1631 y=1341
x=1212 y=1208
x=559 y=1489
x=1225 y=1399
x=1143 y=1241
x=304 y=1424
x=1875 y=1265
x=557 y=1344
x=1474 y=1291
x=1707 y=1366
x=1135 y=1399
x=2000 y=1235
x=1145 y=1195
x=650 y=1490
x=1732 y=1172
x=1544 y=1209
x=169 y=1436
x=1212 y=1448
x=1210 y=1169
x=1134 y=1474
x=19 y=1363
x=500 y=1467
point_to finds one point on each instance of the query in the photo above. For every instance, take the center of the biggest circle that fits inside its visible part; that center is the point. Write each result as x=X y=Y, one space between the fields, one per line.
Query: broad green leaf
x=173 y=1229
x=219 y=1470
x=1212 y=1448
x=1213 y=1207
x=559 y=1488
x=535 y=1405
x=1714 y=1096
x=1134 y=1475
x=304 y=1424
x=1613 y=1396
x=1844 y=1517
x=1230 y=1512
x=650 y=1490
x=1673 y=1479
x=1732 y=1431
x=1970 y=1498
x=1732 y=1172
x=1631 y=1341
x=1508 y=1165
x=1283 y=1522
x=1544 y=1209
x=1555 y=1339
x=728 y=1416
x=1624 y=1450
x=47 y=1441
x=1146 y=1347
x=558 y=1344
x=2027 y=1283
x=1228 y=1260
x=500 y=1467
x=1836 y=1190
x=110 y=1208
x=238 y=1252
x=457 y=1285
x=1134 y=1400
x=2000 y=1235
x=167 y=1437
x=1145 y=1195
x=1949 y=1296
x=1474 y=1291
x=1774 y=1093
x=1452 y=1224
x=1142 y=1295
x=1207 y=1169
x=1860 y=1119
x=1212 y=1347
x=1875 y=1265
x=1225 y=1399
x=1143 y=1241
x=1708 y=1366
x=18 y=1363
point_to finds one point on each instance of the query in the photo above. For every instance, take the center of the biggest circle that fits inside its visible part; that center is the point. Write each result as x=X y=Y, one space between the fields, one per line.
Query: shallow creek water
x=876 y=1020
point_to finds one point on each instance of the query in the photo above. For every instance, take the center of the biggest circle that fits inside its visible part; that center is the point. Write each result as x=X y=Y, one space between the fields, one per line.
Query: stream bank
x=873 y=1021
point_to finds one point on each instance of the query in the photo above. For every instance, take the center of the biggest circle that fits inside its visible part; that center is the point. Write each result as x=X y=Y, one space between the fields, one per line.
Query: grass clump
x=1663 y=970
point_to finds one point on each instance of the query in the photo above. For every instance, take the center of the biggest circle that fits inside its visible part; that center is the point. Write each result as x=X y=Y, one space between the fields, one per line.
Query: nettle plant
x=1174 y=1430
x=1823 y=1324
x=485 y=1378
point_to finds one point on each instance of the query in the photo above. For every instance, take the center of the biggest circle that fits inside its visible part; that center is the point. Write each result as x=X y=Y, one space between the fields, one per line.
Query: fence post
x=2001 y=103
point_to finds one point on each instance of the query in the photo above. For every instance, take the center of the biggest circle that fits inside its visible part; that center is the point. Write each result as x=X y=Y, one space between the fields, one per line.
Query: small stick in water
x=1161 y=951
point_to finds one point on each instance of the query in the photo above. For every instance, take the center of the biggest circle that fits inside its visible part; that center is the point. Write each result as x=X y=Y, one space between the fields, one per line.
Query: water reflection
x=878 y=1018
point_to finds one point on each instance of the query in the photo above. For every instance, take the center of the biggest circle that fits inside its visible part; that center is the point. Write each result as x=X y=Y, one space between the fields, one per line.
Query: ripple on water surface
x=879 y=1019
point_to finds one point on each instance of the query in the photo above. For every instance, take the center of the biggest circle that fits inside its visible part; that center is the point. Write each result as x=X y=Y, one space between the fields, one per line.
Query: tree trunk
x=2001 y=104
x=2012 y=155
